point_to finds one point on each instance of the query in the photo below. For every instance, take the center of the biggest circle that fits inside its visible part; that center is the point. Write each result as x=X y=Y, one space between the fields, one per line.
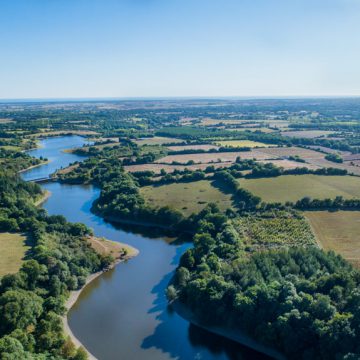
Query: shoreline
x=45 y=196
x=74 y=296
x=34 y=166
x=238 y=337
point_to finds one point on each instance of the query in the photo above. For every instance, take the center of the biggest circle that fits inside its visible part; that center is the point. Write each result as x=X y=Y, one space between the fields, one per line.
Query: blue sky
x=152 y=48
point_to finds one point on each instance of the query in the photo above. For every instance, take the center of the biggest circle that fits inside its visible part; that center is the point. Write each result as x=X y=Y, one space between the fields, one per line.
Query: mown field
x=338 y=231
x=186 y=197
x=12 y=252
x=295 y=187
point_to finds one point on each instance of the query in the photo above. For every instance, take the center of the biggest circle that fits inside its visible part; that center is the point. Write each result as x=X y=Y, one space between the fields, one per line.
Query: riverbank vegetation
x=236 y=176
x=59 y=261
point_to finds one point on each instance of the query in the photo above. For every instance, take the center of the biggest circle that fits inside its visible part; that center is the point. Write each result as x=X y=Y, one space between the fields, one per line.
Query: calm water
x=52 y=149
x=123 y=314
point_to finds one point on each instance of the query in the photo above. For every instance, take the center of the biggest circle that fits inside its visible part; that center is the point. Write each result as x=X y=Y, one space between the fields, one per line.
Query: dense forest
x=300 y=300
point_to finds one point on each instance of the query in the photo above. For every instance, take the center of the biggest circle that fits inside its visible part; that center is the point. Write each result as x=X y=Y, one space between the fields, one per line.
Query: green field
x=338 y=231
x=12 y=252
x=295 y=187
x=186 y=197
x=241 y=143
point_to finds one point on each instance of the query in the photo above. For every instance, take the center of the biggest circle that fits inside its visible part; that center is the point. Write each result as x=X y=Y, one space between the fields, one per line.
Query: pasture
x=295 y=187
x=188 y=198
x=12 y=251
x=338 y=231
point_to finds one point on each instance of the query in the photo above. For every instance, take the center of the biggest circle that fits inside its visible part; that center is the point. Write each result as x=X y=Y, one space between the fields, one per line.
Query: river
x=123 y=314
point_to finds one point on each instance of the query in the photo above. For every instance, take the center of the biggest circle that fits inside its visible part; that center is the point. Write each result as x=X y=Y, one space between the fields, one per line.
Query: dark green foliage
x=301 y=300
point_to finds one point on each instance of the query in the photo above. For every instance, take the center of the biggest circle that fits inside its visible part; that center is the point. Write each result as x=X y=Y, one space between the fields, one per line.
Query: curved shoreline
x=240 y=338
x=74 y=296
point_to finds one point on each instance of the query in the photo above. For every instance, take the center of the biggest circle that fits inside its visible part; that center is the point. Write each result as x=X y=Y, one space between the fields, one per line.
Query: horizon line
x=134 y=98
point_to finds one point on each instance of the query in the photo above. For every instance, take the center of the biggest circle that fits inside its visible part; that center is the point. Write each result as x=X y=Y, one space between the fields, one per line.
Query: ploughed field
x=12 y=249
x=186 y=197
x=295 y=187
x=338 y=231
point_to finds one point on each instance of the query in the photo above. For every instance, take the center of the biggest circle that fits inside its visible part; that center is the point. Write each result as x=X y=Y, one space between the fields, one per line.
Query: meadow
x=295 y=187
x=12 y=249
x=186 y=197
x=338 y=231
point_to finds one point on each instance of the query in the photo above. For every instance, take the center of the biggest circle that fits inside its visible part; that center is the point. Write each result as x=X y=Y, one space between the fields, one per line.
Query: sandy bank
x=45 y=196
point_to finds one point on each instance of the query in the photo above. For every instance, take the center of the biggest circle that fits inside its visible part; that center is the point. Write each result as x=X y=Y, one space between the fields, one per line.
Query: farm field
x=213 y=157
x=156 y=168
x=283 y=229
x=204 y=147
x=329 y=150
x=295 y=187
x=242 y=143
x=213 y=122
x=12 y=250
x=307 y=134
x=186 y=197
x=252 y=129
x=290 y=164
x=284 y=152
x=338 y=231
x=157 y=140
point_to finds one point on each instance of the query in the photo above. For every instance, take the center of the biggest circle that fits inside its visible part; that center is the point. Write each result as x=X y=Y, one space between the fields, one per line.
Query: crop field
x=283 y=229
x=252 y=129
x=186 y=197
x=156 y=168
x=344 y=166
x=241 y=143
x=295 y=187
x=12 y=252
x=290 y=164
x=157 y=140
x=213 y=157
x=307 y=134
x=338 y=231
x=204 y=147
x=329 y=150
x=283 y=152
